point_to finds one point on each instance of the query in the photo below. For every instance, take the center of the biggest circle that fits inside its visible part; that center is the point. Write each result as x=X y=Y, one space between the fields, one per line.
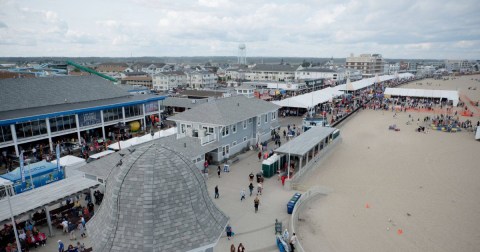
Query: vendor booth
x=40 y=173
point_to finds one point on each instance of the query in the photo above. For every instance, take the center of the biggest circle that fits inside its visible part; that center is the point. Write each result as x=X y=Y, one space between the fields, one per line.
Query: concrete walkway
x=255 y=230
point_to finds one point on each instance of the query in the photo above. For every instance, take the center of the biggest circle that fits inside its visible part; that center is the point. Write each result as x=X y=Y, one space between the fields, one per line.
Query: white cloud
x=322 y=28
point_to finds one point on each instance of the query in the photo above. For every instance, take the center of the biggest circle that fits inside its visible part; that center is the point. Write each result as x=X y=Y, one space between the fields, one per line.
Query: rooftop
x=274 y=68
x=305 y=142
x=226 y=111
x=156 y=200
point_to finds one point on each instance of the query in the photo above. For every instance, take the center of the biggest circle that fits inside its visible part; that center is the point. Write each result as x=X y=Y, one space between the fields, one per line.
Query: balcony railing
x=207 y=139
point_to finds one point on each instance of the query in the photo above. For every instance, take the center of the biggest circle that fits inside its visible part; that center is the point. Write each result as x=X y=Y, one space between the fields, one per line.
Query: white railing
x=308 y=195
x=207 y=139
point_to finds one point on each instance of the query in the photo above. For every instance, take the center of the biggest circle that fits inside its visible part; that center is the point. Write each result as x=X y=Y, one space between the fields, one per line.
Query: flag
x=57 y=150
x=22 y=169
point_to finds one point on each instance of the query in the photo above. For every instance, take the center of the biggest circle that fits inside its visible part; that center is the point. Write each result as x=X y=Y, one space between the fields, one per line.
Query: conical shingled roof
x=155 y=200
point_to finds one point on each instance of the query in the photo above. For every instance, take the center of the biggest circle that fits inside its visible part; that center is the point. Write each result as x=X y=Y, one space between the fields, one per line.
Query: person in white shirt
x=286 y=235
x=65 y=226
x=293 y=240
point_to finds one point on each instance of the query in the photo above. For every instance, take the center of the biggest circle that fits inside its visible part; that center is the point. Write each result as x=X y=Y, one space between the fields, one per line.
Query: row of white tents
x=314 y=98
x=450 y=95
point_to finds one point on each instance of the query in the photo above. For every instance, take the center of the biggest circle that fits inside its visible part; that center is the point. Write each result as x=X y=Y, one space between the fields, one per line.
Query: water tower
x=242 y=54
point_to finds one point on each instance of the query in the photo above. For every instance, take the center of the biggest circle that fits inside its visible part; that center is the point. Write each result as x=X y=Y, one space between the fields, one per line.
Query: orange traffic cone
x=400 y=231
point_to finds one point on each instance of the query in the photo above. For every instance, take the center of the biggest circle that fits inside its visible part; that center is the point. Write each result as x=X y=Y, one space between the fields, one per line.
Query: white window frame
x=274 y=116
x=259 y=120
x=250 y=120
x=266 y=118
x=225 y=131
x=245 y=124
x=234 y=128
x=244 y=138
x=182 y=128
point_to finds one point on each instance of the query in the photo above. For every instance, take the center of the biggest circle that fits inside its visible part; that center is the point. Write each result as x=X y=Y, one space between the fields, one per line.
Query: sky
x=407 y=29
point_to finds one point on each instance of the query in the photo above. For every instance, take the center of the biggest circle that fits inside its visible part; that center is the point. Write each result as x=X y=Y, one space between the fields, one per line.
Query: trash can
x=290 y=206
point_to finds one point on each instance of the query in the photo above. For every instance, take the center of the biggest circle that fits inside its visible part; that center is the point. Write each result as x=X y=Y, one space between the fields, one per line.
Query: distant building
x=369 y=64
x=235 y=73
x=145 y=81
x=201 y=79
x=246 y=90
x=266 y=72
x=164 y=81
x=149 y=68
x=457 y=65
x=391 y=68
x=111 y=68
x=320 y=73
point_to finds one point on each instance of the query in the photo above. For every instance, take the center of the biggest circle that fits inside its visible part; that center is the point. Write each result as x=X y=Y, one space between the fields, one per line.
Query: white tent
x=71 y=164
x=309 y=100
x=451 y=95
x=363 y=83
x=477 y=135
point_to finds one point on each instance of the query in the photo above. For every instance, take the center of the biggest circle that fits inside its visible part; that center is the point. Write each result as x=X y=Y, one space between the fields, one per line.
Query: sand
x=426 y=185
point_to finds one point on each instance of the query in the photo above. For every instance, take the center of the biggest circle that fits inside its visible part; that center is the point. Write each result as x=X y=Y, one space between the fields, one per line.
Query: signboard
x=151 y=107
x=89 y=118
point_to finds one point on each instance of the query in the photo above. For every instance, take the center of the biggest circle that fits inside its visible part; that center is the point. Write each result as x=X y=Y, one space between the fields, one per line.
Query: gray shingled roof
x=226 y=111
x=183 y=102
x=157 y=200
x=275 y=68
x=38 y=92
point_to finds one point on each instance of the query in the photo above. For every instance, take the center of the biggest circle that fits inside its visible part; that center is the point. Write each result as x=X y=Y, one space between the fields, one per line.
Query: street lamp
x=5 y=184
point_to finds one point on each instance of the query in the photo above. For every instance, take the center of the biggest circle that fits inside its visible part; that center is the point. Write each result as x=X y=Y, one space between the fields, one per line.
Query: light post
x=5 y=184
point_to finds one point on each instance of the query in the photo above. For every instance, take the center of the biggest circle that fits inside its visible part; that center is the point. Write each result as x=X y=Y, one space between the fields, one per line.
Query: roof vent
x=185 y=145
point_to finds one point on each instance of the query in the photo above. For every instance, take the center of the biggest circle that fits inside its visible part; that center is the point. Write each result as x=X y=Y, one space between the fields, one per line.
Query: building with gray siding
x=230 y=124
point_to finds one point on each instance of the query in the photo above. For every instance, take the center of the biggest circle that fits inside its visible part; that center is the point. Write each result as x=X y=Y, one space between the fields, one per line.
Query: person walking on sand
x=218 y=171
x=259 y=188
x=232 y=248
x=256 y=202
x=217 y=195
x=259 y=156
x=242 y=195
x=251 y=176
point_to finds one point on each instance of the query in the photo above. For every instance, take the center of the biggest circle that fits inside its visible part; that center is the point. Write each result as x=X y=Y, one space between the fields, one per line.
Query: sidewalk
x=255 y=230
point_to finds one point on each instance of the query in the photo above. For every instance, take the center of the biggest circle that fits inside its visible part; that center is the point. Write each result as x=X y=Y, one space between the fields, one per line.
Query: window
x=266 y=118
x=225 y=131
x=225 y=150
x=112 y=114
x=182 y=128
x=5 y=133
x=31 y=129
x=234 y=143
x=60 y=123
x=259 y=118
x=245 y=124
x=274 y=116
x=244 y=139
x=134 y=110
x=234 y=128
x=250 y=120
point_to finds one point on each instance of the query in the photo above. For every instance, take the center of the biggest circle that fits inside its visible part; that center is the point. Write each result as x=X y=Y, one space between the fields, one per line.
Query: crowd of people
x=28 y=234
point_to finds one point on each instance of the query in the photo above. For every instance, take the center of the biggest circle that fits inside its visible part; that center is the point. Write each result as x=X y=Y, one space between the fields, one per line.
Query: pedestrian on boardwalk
x=293 y=240
x=250 y=187
x=286 y=235
x=228 y=229
x=256 y=202
x=259 y=156
x=232 y=248
x=259 y=188
x=251 y=176
x=241 y=248
x=218 y=171
x=217 y=195
x=242 y=195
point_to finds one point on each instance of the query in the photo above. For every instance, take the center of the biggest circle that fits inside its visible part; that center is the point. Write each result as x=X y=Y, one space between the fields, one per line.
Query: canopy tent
x=70 y=164
x=143 y=139
x=44 y=196
x=309 y=100
x=451 y=95
x=41 y=173
x=363 y=83
x=477 y=134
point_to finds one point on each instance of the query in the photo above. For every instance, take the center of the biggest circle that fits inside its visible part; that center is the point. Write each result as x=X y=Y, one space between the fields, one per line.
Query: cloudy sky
x=435 y=29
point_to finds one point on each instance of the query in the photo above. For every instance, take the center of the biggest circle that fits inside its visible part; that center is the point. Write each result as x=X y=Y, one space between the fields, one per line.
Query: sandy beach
x=398 y=191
